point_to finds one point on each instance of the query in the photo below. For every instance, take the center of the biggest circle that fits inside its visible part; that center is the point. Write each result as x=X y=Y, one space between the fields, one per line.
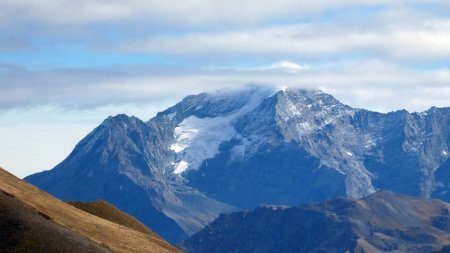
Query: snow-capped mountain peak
x=198 y=139
x=212 y=153
x=308 y=111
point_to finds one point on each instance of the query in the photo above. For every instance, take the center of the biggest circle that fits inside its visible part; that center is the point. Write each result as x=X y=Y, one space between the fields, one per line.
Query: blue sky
x=67 y=65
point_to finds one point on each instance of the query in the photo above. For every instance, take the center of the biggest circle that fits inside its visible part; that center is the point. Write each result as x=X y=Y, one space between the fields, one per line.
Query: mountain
x=123 y=162
x=233 y=150
x=445 y=249
x=380 y=222
x=33 y=221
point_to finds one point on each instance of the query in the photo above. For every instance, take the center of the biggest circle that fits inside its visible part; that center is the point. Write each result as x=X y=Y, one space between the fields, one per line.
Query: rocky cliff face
x=381 y=222
x=214 y=153
x=123 y=162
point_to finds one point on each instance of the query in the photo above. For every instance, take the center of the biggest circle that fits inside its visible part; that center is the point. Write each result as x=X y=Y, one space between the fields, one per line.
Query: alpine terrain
x=228 y=151
x=380 y=222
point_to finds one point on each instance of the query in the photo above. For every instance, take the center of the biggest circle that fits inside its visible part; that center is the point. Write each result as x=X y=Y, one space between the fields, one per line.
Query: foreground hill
x=381 y=222
x=29 y=215
x=23 y=229
x=109 y=212
x=212 y=153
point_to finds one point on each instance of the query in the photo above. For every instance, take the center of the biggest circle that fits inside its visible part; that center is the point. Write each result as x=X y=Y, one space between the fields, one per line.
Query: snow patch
x=310 y=110
x=185 y=133
x=170 y=116
x=247 y=145
x=180 y=167
x=369 y=142
x=198 y=139
x=302 y=113
x=238 y=151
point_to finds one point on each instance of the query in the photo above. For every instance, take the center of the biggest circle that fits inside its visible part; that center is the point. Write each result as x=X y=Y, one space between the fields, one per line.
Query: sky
x=67 y=65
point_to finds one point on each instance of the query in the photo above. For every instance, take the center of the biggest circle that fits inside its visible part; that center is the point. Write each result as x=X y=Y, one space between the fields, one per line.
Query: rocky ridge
x=215 y=153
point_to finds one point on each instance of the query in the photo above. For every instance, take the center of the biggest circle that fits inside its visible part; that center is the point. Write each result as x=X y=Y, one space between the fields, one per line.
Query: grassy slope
x=109 y=212
x=115 y=237
x=23 y=230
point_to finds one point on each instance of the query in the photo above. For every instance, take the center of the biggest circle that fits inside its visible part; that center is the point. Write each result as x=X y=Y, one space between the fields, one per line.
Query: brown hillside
x=115 y=237
x=23 y=229
x=109 y=212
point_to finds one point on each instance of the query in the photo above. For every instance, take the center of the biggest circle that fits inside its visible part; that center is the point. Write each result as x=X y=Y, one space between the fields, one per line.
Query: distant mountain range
x=381 y=222
x=33 y=221
x=228 y=151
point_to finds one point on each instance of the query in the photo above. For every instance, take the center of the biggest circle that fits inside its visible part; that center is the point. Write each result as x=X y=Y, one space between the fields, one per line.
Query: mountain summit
x=215 y=153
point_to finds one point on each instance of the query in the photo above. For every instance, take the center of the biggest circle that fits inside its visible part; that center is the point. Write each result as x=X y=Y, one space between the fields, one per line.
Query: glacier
x=198 y=139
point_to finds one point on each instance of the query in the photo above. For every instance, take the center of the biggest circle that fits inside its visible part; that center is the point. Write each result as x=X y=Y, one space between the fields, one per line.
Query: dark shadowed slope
x=115 y=237
x=24 y=229
x=109 y=212
x=381 y=222
x=446 y=249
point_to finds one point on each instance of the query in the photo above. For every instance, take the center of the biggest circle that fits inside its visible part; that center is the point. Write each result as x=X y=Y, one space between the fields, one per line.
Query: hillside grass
x=116 y=237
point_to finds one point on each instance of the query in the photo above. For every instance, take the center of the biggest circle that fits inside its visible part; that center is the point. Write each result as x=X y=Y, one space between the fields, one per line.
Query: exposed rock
x=381 y=222
x=214 y=153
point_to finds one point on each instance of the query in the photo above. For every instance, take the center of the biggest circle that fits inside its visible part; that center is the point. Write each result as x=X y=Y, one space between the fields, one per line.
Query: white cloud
x=288 y=67
x=428 y=40
x=82 y=12
x=21 y=21
x=278 y=66
x=347 y=79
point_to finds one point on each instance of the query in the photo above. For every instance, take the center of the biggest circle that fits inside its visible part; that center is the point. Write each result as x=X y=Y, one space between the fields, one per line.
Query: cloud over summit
x=92 y=53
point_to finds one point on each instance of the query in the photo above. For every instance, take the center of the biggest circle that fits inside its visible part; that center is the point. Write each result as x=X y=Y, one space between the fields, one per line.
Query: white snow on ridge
x=198 y=139
x=185 y=133
x=299 y=108
x=171 y=115
x=180 y=167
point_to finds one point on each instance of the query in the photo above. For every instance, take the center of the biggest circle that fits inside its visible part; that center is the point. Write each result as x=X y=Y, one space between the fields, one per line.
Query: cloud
x=279 y=66
x=358 y=83
x=428 y=40
x=204 y=45
x=100 y=22
x=287 y=66
x=173 y=12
